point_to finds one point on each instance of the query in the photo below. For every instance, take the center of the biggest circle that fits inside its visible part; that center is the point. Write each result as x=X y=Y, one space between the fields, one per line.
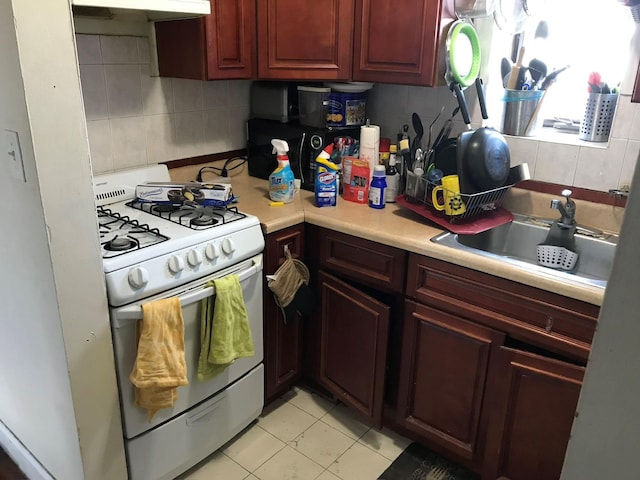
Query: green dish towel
x=225 y=334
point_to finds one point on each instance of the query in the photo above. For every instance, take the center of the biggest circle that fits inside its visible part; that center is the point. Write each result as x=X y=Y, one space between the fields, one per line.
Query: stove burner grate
x=197 y=217
x=120 y=234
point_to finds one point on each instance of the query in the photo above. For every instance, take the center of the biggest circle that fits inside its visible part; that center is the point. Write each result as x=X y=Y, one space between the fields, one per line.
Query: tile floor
x=303 y=436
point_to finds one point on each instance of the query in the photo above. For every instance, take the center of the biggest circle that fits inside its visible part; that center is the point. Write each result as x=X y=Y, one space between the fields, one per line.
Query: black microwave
x=305 y=144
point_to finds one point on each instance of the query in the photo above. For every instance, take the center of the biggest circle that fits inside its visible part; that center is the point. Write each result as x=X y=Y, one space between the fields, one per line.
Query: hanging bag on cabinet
x=290 y=287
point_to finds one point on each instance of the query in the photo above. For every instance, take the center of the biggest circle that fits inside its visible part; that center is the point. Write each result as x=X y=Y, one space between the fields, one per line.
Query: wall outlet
x=13 y=155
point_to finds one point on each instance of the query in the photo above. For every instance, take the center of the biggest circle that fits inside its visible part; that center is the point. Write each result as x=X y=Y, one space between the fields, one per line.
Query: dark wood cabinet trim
x=505 y=449
x=420 y=323
x=370 y=402
x=371 y=263
x=283 y=342
x=560 y=324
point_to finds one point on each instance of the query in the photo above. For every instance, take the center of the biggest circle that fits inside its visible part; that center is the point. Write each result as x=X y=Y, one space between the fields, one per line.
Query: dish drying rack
x=418 y=191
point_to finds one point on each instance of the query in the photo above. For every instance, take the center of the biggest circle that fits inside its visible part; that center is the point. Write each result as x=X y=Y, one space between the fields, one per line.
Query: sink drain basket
x=556 y=257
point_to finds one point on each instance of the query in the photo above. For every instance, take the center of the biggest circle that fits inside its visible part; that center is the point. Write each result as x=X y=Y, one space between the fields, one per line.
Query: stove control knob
x=194 y=258
x=228 y=246
x=138 y=277
x=212 y=251
x=175 y=264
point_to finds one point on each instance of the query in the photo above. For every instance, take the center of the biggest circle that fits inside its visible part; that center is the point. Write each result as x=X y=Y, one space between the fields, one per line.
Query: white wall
x=35 y=403
x=58 y=386
x=605 y=439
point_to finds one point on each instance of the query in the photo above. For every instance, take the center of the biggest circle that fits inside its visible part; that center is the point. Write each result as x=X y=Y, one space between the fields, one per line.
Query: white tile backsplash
x=189 y=129
x=89 y=49
x=124 y=90
x=99 y=132
x=135 y=119
x=128 y=142
x=177 y=118
x=157 y=93
x=119 y=49
x=94 y=92
x=597 y=166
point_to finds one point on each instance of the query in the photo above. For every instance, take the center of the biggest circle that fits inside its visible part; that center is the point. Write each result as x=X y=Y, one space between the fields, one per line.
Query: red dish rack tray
x=483 y=210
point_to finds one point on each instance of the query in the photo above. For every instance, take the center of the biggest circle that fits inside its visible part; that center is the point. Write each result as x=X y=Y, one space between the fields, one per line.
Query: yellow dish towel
x=160 y=365
x=225 y=334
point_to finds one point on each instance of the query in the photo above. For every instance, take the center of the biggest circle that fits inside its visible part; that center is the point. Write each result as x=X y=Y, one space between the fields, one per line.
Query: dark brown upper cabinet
x=218 y=46
x=305 y=40
x=364 y=40
x=397 y=42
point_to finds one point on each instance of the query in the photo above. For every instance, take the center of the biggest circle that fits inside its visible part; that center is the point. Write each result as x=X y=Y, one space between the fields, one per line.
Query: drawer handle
x=205 y=412
x=549 y=324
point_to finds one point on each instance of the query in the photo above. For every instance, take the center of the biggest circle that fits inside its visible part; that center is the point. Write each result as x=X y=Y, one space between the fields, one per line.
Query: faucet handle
x=566 y=193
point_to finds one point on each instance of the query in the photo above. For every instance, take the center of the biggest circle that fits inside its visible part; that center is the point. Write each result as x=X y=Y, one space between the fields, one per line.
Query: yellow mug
x=452 y=201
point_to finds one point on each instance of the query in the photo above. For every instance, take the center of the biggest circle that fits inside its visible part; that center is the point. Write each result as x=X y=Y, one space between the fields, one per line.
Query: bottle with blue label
x=378 y=187
x=282 y=183
x=326 y=188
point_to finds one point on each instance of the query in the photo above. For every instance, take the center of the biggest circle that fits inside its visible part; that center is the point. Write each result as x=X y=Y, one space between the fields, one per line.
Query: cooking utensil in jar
x=505 y=70
x=538 y=70
x=419 y=129
x=515 y=70
x=551 y=78
x=483 y=156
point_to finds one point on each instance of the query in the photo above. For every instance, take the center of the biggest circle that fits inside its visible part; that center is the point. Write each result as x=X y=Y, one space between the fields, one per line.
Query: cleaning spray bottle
x=282 y=186
x=326 y=188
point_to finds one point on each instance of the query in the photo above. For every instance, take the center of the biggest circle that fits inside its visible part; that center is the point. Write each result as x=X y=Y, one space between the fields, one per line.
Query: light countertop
x=393 y=225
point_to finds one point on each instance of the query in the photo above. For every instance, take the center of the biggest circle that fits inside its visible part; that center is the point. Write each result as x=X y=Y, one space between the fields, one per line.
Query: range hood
x=153 y=9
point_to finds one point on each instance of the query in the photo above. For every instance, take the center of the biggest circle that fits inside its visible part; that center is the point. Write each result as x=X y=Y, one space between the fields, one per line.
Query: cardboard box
x=217 y=195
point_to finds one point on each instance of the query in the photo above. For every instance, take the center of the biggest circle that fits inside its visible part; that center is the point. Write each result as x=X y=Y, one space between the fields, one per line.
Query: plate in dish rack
x=468 y=226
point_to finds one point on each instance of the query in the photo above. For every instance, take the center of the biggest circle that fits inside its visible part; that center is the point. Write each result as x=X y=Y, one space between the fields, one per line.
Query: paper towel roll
x=370 y=146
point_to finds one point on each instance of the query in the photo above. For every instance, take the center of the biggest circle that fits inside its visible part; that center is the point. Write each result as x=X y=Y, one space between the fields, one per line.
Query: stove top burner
x=197 y=217
x=120 y=234
x=203 y=220
x=119 y=244
x=164 y=208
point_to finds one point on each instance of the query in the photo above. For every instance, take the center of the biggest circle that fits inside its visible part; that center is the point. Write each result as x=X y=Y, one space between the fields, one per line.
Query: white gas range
x=159 y=251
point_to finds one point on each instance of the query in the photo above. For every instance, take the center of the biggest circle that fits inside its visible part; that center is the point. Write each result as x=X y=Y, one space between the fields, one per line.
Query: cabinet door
x=282 y=341
x=397 y=42
x=217 y=46
x=305 y=40
x=443 y=376
x=353 y=351
x=532 y=416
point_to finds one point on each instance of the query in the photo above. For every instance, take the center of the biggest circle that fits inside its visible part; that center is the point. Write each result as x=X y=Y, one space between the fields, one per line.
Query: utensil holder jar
x=598 y=117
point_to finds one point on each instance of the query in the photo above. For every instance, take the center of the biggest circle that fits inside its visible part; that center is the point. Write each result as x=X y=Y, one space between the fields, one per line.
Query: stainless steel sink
x=516 y=242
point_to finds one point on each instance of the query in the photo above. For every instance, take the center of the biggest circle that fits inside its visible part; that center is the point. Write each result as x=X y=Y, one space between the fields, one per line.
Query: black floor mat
x=417 y=461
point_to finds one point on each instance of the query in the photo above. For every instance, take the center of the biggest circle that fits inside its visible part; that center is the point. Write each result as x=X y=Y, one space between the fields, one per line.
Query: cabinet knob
x=549 y=325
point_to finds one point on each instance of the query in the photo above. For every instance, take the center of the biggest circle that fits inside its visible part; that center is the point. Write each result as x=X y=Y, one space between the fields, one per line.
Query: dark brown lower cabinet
x=282 y=341
x=445 y=364
x=535 y=404
x=353 y=346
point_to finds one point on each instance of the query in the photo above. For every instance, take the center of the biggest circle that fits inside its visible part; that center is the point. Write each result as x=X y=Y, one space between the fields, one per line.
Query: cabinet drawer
x=562 y=324
x=291 y=239
x=371 y=263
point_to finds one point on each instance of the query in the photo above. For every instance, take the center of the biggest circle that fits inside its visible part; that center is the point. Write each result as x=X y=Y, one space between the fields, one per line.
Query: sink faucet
x=568 y=210
x=562 y=232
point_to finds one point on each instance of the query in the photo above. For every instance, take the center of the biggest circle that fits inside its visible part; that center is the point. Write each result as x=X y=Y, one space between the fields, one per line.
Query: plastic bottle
x=282 y=186
x=326 y=188
x=378 y=187
x=393 y=181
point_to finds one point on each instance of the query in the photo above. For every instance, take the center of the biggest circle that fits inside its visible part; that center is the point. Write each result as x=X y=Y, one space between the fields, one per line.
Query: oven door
x=123 y=326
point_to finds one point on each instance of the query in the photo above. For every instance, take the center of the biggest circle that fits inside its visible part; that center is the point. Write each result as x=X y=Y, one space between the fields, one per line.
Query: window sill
x=552 y=135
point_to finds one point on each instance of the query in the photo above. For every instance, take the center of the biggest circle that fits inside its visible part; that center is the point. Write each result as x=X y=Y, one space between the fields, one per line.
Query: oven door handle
x=134 y=312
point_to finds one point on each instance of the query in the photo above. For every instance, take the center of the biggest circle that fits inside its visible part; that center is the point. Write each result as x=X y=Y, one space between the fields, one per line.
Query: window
x=588 y=35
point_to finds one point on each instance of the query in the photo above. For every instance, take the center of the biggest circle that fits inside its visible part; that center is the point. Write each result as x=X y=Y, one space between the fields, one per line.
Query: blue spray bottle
x=282 y=187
